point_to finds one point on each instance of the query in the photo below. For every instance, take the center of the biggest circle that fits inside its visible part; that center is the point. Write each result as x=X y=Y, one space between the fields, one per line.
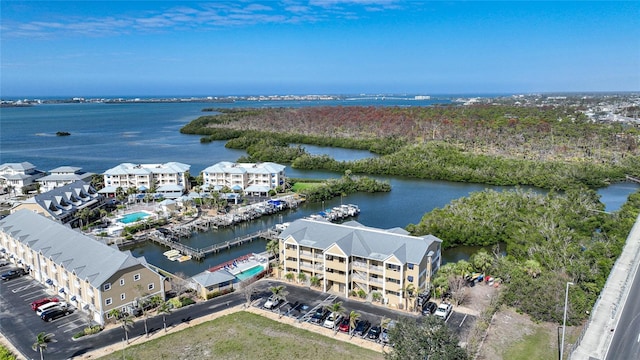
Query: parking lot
x=19 y=321
x=301 y=303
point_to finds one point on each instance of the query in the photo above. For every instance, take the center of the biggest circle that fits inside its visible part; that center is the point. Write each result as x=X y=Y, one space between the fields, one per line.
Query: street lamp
x=564 y=320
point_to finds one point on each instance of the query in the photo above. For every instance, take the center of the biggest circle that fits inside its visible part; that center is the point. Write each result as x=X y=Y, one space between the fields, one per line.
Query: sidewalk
x=274 y=316
x=608 y=309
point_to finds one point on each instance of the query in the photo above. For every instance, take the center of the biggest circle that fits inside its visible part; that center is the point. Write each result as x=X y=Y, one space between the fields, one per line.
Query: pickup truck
x=443 y=311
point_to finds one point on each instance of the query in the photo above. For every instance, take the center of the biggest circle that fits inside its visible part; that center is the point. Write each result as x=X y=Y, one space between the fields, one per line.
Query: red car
x=344 y=325
x=37 y=303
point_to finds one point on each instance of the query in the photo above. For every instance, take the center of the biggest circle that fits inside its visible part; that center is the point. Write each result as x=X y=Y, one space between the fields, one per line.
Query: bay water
x=105 y=135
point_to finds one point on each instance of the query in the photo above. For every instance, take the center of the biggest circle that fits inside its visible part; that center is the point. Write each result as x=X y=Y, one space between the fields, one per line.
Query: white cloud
x=209 y=15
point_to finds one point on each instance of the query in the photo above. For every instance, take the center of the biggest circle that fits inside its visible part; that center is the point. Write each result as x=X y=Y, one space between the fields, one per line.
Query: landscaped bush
x=5 y=354
x=217 y=293
x=90 y=330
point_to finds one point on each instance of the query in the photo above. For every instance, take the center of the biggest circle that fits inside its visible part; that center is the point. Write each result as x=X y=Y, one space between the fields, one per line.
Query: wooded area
x=547 y=147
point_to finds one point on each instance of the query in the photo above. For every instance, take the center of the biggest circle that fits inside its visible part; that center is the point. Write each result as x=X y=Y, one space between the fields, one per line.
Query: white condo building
x=250 y=178
x=61 y=176
x=18 y=175
x=169 y=178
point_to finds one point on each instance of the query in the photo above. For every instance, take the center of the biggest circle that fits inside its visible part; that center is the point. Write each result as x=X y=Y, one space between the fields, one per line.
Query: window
x=410 y=278
x=107 y=287
x=122 y=296
x=121 y=282
x=108 y=301
x=136 y=277
x=151 y=286
x=410 y=266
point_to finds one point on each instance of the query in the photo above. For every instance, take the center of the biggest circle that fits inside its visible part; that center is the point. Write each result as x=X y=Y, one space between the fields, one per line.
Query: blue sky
x=95 y=48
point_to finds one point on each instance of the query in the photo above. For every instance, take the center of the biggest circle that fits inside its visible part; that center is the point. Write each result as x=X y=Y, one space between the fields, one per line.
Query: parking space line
x=32 y=294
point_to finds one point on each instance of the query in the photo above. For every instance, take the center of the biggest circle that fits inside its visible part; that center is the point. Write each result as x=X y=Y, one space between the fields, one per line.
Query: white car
x=443 y=311
x=332 y=320
x=272 y=302
x=50 y=305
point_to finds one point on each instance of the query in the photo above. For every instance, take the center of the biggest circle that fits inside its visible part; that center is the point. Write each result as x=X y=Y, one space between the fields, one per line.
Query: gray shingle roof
x=359 y=240
x=88 y=258
x=207 y=278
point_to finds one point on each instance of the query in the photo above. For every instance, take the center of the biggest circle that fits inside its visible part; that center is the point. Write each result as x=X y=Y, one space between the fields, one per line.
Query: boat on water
x=184 y=258
x=172 y=255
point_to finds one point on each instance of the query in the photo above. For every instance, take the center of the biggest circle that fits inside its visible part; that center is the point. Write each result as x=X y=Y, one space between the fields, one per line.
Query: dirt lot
x=516 y=336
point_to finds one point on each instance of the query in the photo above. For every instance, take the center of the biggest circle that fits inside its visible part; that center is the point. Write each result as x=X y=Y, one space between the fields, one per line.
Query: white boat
x=172 y=255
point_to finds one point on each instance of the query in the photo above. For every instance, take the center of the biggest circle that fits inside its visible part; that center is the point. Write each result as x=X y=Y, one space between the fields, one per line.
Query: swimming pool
x=133 y=217
x=249 y=273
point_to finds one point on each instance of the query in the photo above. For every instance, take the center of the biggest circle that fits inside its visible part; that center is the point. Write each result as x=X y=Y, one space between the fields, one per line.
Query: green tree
x=407 y=293
x=125 y=319
x=430 y=339
x=273 y=248
x=314 y=281
x=289 y=276
x=163 y=308
x=41 y=343
x=279 y=292
x=353 y=320
x=302 y=277
x=482 y=261
x=338 y=310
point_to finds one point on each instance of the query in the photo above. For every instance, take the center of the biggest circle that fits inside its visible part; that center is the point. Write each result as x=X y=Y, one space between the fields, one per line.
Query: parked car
x=444 y=310
x=384 y=335
x=54 y=313
x=332 y=320
x=361 y=327
x=272 y=302
x=37 y=303
x=429 y=308
x=12 y=274
x=374 y=333
x=4 y=263
x=49 y=306
x=344 y=325
x=319 y=316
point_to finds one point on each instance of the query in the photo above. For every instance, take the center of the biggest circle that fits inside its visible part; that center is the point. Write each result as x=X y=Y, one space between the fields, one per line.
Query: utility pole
x=564 y=320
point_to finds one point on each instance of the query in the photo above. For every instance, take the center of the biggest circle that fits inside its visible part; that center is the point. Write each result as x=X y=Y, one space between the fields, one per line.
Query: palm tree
x=408 y=292
x=289 y=276
x=353 y=320
x=302 y=277
x=273 y=248
x=127 y=321
x=164 y=308
x=482 y=261
x=279 y=292
x=337 y=309
x=314 y=281
x=42 y=339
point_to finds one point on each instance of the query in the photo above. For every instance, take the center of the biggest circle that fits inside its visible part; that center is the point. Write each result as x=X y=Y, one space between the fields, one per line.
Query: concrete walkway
x=597 y=336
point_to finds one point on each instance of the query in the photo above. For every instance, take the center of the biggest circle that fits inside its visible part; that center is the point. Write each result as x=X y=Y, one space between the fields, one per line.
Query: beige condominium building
x=91 y=276
x=351 y=257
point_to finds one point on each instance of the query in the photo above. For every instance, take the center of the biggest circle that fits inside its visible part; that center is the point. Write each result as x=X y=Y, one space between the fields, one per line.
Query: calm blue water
x=105 y=135
x=250 y=272
x=133 y=217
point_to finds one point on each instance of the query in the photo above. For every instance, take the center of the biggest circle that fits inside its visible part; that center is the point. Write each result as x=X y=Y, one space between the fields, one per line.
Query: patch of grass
x=243 y=335
x=299 y=186
x=532 y=347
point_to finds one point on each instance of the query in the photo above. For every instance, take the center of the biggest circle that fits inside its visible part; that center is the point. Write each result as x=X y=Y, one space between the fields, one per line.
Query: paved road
x=626 y=338
x=613 y=331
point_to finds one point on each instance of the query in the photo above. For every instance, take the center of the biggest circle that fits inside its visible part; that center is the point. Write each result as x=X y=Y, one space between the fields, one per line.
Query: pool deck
x=241 y=264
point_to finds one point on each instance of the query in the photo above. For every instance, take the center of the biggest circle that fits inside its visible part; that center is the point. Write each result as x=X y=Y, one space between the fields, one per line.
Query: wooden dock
x=200 y=254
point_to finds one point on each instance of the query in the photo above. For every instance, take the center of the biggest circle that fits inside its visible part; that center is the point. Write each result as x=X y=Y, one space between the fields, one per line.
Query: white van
x=51 y=305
